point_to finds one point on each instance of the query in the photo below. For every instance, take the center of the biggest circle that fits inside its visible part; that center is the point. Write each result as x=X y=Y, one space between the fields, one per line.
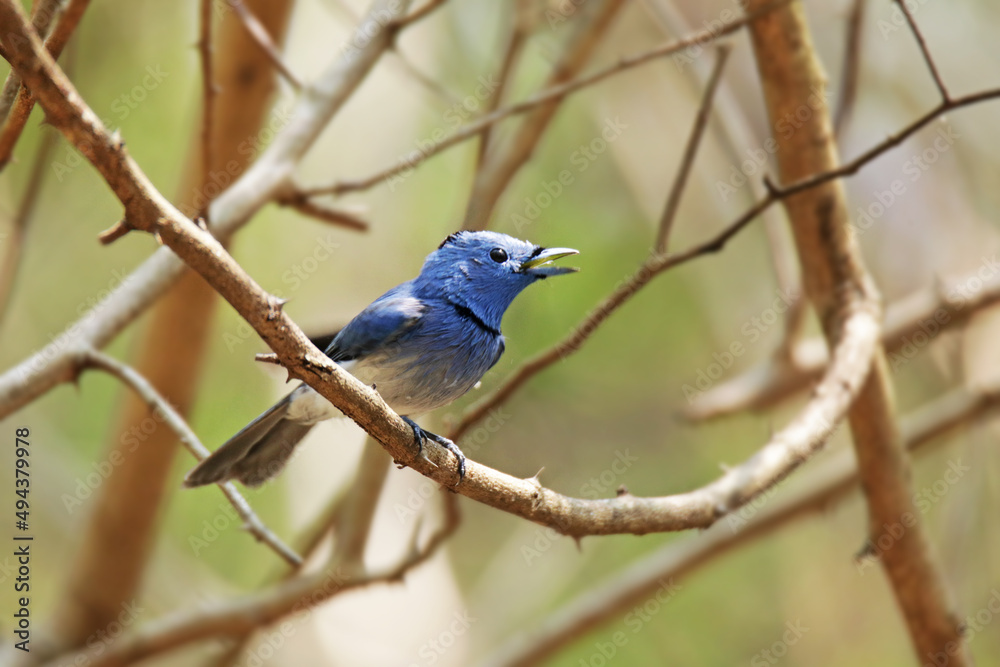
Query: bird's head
x=485 y=271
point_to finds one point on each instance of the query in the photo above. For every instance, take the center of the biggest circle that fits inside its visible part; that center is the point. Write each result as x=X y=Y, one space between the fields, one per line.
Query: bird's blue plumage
x=422 y=344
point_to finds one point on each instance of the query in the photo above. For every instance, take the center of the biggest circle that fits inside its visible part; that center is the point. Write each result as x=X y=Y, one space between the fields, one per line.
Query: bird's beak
x=536 y=266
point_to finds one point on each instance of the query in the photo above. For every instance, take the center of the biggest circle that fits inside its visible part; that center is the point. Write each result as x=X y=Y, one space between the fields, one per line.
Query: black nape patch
x=468 y=314
x=448 y=239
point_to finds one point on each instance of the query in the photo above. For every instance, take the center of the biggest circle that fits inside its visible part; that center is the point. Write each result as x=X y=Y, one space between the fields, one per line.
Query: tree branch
x=239 y=617
x=156 y=402
x=815 y=490
x=542 y=97
x=262 y=38
x=911 y=322
x=502 y=163
x=268 y=176
x=691 y=149
x=526 y=498
x=24 y=102
x=832 y=265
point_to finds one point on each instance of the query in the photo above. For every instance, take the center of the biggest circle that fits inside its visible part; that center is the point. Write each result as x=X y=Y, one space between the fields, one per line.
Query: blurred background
x=607 y=416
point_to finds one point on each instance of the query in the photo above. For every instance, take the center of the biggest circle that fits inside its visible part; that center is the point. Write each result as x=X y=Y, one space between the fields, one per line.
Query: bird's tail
x=255 y=454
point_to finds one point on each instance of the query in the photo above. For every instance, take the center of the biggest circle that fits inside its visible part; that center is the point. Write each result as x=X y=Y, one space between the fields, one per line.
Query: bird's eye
x=498 y=255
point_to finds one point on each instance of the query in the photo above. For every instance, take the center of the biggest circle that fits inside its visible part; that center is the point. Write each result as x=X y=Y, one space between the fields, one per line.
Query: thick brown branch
x=832 y=266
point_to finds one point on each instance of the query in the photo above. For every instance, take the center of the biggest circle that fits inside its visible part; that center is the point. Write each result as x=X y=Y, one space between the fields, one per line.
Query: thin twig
x=42 y=13
x=330 y=215
x=419 y=13
x=139 y=384
x=149 y=211
x=945 y=98
x=495 y=174
x=268 y=176
x=239 y=617
x=850 y=70
x=207 y=97
x=542 y=97
x=515 y=43
x=14 y=244
x=258 y=33
x=657 y=264
x=24 y=103
x=912 y=321
x=691 y=149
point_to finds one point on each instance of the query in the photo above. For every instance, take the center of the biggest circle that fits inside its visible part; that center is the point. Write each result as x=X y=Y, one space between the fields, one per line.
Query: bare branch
x=239 y=617
x=24 y=103
x=691 y=149
x=815 y=490
x=501 y=164
x=207 y=101
x=156 y=402
x=259 y=33
x=516 y=40
x=923 y=50
x=419 y=13
x=304 y=205
x=271 y=174
x=912 y=321
x=790 y=72
x=203 y=252
x=850 y=68
x=543 y=97
x=19 y=224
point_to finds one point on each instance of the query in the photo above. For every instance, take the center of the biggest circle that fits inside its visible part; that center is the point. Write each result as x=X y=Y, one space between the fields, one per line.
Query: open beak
x=539 y=264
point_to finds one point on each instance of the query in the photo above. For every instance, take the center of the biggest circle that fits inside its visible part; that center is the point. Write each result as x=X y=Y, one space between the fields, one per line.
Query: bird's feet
x=420 y=436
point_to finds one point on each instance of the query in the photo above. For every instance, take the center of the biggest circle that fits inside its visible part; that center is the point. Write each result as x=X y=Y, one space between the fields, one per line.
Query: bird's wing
x=385 y=320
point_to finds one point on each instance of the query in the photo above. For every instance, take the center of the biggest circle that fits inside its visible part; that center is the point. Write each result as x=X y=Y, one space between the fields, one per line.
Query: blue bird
x=422 y=344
